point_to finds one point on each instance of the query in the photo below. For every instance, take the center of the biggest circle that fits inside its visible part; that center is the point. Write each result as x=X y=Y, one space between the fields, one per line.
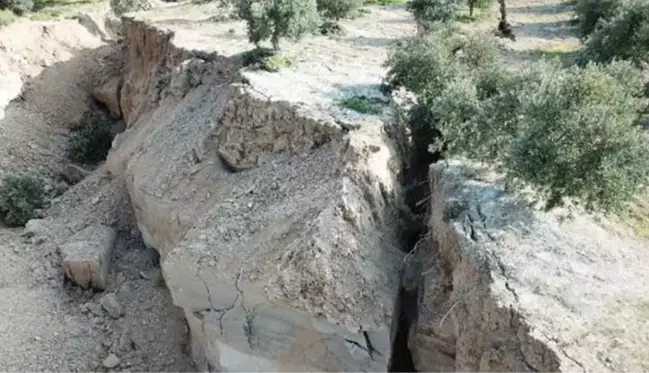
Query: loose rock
x=112 y=305
x=86 y=257
x=74 y=174
x=111 y=361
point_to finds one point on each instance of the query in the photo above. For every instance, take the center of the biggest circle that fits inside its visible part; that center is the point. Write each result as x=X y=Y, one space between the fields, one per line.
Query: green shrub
x=19 y=7
x=383 y=2
x=363 y=105
x=266 y=59
x=120 y=7
x=590 y=12
x=276 y=62
x=277 y=19
x=91 y=138
x=571 y=133
x=6 y=17
x=20 y=196
x=428 y=63
x=428 y=12
x=625 y=35
x=480 y=4
x=338 y=9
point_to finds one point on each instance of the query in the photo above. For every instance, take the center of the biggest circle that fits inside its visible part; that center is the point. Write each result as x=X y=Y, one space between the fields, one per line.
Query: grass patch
x=43 y=4
x=363 y=105
x=384 y=2
x=266 y=59
x=46 y=14
x=479 y=15
x=6 y=17
x=567 y=53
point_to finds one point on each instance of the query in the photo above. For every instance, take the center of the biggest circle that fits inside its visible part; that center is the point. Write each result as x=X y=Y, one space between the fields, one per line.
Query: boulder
x=87 y=254
x=108 y=94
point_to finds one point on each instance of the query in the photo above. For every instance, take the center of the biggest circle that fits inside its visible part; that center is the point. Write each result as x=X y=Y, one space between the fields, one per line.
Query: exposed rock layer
x=509 y=288
x=290 y=264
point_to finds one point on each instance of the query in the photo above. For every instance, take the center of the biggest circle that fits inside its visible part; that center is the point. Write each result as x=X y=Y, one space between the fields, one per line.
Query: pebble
x=112 y=305
x=111 y=361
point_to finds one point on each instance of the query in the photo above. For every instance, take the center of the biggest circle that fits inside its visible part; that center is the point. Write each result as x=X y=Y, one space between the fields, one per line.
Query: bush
x=266 y=59
x=571 y=133
x=19 y=7
x=337 y=9
x=383 y=2
x=20 y=196
x=427 y=12
x=429 y=62
x=91 y=139
x=480 y=4
x=6 y=17
x=120 y=7
x=590 y=12
x=276 y=19
x=625 y=35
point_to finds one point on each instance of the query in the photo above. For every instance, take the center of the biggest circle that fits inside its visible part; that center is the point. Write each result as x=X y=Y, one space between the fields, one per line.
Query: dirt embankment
x=275 y=214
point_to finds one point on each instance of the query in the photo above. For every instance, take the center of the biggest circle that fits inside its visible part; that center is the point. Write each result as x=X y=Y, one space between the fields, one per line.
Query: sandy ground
x=47 y=324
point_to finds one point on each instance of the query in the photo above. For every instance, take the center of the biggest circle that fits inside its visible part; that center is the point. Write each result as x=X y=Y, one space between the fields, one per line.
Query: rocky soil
x=47 y=323
x=253 y=222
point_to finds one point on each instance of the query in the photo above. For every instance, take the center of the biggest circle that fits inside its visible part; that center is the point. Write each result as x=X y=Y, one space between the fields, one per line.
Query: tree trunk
x=503 y=10
x=471 y=4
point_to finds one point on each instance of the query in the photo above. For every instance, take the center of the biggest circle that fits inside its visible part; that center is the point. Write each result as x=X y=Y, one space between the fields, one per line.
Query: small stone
x=74 y=174
x=144 y=275
x=111 y=361
x=39 y=240
x=94 y=308
x=120 y=278
x=112 y=305
x=35 y=227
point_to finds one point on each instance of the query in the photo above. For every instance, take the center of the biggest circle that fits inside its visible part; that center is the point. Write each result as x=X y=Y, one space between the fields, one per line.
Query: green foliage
x=266 y=59
x=428 y=12
x=6 y=17
x=580 y=139
x=331 y=28
x=276 y=62
x=428 y=62
x=571 y=133
x=120 y=7
x=91 y=139
x=479 y=4
x=383 y=2
x=20 y=196
x=277 y=19
x=591 y=12
x=19 y=7
x=337 y=9
x=625 y=35
x=363 y=105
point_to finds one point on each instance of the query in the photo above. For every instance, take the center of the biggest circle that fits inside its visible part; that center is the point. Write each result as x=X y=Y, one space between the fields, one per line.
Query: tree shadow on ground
x=362 y=41
x=555 y=30
x=542 y=9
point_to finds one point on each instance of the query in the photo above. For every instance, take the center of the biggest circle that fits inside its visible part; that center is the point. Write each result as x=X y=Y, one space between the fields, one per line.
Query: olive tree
x=278 y=19
x=571 y=133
